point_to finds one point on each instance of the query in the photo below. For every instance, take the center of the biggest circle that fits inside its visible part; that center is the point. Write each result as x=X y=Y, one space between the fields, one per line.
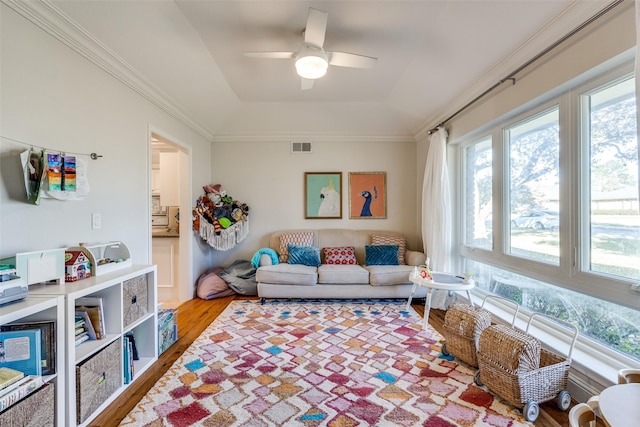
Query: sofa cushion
x=348 y=274
x=298 y=238
x=305 y=255
x=288 y=274
x=390 y=239
x=381 y=254
x=340 y=255
x=384 y=275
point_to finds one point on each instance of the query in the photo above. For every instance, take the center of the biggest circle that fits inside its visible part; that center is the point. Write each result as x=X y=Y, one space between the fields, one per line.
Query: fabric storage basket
x=35 y=410
x=461 y=330
x=134 y=299
x=97 y=378
x=167 y=328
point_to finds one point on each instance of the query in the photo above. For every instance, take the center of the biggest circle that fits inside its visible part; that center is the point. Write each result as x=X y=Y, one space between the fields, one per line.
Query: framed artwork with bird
x=323 y=195
x=367 y=195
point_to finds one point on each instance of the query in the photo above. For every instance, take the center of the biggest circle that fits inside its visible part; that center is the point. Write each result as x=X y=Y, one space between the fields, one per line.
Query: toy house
x=77 y=266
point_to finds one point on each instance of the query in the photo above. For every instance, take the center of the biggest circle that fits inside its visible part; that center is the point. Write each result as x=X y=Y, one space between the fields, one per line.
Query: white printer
x=27 y=268
x=12 y=287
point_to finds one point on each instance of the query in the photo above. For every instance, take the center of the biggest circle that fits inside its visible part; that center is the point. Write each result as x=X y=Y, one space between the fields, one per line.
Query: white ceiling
x=433 y=57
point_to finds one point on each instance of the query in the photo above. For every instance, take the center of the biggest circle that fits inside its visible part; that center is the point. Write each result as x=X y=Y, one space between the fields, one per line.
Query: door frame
x=185 y=273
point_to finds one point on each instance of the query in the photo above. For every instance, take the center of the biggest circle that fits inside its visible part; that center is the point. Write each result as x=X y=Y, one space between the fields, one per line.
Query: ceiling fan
x=311 y=59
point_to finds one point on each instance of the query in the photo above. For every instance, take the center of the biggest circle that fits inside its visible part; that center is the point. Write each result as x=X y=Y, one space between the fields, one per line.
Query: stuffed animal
x=218 y=209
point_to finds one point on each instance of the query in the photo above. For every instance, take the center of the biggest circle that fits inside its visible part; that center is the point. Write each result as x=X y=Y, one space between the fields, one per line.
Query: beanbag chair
x=241 y=277
x=211 y=285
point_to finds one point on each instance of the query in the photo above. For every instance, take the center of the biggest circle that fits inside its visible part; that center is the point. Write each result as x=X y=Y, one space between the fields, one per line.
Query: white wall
x=607 y=38
x=266 y=176
x=55 y=98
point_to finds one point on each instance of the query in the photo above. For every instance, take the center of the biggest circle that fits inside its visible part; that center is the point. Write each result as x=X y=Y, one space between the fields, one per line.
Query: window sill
x=593 y=366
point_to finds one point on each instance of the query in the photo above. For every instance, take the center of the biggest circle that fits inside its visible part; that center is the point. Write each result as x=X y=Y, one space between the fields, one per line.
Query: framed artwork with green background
x=322 y=195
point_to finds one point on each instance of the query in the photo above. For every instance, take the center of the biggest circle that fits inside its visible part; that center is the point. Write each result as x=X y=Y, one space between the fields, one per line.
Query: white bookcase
x=38 y=308
x=113 y=288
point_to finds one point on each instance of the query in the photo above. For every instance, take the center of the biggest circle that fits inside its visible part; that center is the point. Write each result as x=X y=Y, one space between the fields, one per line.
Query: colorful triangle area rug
x=319 y=363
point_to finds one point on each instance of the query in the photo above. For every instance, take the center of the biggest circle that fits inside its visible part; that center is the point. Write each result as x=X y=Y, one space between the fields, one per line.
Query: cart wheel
x=443 y=349
x=476 y=379
x=563 y=400
x=531 y=412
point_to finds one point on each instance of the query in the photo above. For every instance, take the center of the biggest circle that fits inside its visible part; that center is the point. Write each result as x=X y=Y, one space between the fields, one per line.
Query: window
x=563 y=234
x=534 y=218
x=478 y=178
x=609 y=324
x=613 y=227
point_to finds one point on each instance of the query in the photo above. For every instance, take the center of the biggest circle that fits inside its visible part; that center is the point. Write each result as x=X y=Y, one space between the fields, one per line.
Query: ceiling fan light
x=311 y=62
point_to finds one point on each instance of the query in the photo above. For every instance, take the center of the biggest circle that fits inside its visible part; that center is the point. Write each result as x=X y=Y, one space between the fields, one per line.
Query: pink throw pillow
x=298 y=239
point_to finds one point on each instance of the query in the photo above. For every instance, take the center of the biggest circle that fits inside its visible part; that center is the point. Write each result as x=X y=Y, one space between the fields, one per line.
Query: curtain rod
x=511 y=76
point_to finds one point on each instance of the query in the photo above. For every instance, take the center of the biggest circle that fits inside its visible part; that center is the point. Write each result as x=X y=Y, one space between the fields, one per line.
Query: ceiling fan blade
x=275 y=55
x=306 y=83
x=343 y=59
x=316 y=27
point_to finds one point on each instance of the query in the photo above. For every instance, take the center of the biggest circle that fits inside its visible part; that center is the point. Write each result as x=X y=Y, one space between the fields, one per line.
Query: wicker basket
x=134 y=299
x=35 y=410
x=514 y=366
x=461 y=330
x=97 y=378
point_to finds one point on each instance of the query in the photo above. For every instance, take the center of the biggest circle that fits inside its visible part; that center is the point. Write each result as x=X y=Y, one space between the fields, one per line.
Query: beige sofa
x=284 y=280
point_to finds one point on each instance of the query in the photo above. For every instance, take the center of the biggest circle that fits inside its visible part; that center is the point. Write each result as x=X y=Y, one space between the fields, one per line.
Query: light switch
x=96 y=221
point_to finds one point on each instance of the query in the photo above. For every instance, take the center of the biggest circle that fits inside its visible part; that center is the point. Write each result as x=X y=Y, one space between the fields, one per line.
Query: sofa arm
x=414 y=257
x=265 y=259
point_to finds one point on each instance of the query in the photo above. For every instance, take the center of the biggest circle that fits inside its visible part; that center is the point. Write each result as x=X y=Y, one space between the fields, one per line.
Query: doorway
x=170 y=218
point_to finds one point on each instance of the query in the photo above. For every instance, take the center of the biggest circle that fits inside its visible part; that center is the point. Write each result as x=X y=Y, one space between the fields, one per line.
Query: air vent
x=300 y=147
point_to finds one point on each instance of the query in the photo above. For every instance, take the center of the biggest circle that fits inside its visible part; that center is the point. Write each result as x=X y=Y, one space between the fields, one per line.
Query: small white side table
x=620 y=405
x=442 y=281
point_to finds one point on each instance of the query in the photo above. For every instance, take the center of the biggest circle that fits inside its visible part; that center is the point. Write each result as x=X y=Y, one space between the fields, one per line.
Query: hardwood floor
x=195 y=315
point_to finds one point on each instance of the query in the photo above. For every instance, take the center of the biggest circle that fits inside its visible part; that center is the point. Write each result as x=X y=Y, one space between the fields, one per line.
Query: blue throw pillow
x=381 y=254
x=305 y=255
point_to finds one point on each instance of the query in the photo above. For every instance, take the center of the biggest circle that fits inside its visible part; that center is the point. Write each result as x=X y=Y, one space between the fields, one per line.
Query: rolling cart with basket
x=514 y=366
x=462 y=326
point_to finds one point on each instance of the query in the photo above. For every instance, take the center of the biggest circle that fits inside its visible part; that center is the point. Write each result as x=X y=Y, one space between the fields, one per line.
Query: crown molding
x=570 y=18
x=51 y=19
x=312 y=137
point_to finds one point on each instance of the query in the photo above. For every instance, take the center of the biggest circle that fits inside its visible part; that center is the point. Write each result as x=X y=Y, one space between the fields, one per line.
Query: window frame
x=463 y=179
x=568 y=273
x=506 y=168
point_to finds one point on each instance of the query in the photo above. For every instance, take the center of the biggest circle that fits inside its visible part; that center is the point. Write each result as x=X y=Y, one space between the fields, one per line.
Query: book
x=94 y=319
x=14 y=386
x=126 y=360
x=81 y=338
x=134 y=348
x=87 y=324
x=93 y=305
x=21 y=350
x=47 y=341
x=32 y=384
x=9 y=376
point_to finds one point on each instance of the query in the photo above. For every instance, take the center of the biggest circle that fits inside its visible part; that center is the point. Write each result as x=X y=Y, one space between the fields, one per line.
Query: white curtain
x=436 y=212
x=436 y=204
x=637 y=5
